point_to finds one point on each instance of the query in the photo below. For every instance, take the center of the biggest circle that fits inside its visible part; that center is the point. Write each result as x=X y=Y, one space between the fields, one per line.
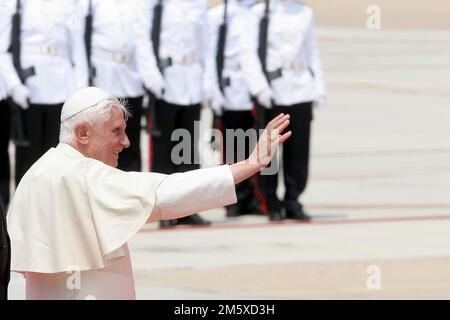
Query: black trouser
x=171 y=117
x=5 y=254
x=5 y=128
x=295 y=157
x=41 y=126
x=130 y=158
x=238 y=120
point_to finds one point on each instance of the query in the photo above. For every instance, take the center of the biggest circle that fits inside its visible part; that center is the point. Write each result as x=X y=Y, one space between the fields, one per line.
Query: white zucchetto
x=83 y=99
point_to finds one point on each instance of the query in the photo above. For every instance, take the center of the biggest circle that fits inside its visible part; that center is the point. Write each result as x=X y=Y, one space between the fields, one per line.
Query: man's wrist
x=245 y=169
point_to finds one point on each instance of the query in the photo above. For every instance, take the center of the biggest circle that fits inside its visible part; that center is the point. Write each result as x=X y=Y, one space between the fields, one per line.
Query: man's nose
x=125 y=141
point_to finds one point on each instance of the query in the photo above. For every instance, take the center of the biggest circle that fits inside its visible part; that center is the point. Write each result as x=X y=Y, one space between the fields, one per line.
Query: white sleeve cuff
x=183 y=194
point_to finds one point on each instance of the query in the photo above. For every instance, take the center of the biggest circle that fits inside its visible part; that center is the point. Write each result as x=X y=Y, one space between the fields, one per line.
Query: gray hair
x=96 y=115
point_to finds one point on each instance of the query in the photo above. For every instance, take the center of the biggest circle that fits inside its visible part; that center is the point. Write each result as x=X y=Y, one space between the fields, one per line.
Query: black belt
x=226 y=82
x=272 y=75
x=165 y=63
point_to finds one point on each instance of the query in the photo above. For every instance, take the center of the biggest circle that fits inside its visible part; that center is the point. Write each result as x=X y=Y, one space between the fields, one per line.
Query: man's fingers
x=280 y=139
x=283 y=126
x=272 y=122
x=279 y=121
x=284 y=137
x=274 y=133
x=277 y=117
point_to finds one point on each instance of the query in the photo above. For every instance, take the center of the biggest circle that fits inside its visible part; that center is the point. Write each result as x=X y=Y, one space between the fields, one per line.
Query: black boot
x=274 y=206
x=294 y=210
x=168 y=223
x=194 y=220
x=251 y=207
x=233 y=211
x=275 y=216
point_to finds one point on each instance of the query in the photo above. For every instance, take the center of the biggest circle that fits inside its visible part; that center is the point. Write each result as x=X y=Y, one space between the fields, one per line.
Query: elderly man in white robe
x=74 y=211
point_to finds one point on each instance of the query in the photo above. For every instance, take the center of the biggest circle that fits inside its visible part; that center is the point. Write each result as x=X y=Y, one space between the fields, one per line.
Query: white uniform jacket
x=3 y=92
x=113 y=47
x=292 y=49
x=3 y=62
x=182 y=40
x=52 y=42
x=6 y=66
x=236 y=92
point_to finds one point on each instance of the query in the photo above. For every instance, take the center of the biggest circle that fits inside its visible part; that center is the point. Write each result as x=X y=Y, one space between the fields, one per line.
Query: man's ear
x=81 y=131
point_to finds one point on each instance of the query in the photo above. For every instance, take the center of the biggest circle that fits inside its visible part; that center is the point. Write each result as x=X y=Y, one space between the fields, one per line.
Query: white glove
x=265 y=98
x=320 y=102
x=157 y=89
x=217 y=103
x=20 y=95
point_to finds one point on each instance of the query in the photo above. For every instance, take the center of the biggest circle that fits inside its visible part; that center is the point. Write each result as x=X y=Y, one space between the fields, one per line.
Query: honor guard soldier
x=282 y=33
x=9 y=110
x=49 y=59
x=111 y=49
x=228 y=91
x=5 y=109
x=5 y=127
x=175 y=30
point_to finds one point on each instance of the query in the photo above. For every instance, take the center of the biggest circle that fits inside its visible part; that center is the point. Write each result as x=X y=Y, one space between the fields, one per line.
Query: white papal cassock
x=74 y=214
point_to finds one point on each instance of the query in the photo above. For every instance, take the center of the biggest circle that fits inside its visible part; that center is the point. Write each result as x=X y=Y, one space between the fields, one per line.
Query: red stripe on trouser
x=253 y=111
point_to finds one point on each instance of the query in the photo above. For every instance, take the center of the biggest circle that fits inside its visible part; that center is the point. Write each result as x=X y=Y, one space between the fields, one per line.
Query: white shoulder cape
x=70 y=212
